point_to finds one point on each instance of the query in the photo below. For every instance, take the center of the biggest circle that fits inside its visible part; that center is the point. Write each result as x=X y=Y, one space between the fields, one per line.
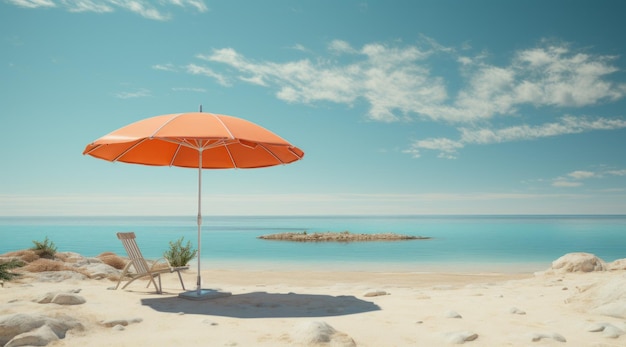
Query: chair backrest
x=130 y=245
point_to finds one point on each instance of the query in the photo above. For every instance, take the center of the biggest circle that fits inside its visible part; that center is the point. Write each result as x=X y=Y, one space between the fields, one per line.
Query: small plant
x=179 y=255
x=45 y=249
x=5 y=275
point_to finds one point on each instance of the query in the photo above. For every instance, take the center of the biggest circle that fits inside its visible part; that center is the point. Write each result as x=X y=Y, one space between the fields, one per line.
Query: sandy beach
x=572 y=305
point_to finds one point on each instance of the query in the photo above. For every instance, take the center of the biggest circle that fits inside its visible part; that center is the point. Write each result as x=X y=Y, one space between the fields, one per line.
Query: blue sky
x=402 y=107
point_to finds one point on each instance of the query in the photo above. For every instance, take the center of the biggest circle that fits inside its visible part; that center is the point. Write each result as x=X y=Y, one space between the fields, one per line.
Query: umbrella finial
x=200 y=107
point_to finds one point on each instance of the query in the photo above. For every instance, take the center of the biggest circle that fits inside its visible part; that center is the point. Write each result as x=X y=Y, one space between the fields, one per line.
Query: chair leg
x=181 y=280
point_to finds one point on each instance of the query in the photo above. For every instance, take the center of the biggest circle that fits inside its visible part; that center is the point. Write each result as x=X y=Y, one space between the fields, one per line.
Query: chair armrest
x=158 y=261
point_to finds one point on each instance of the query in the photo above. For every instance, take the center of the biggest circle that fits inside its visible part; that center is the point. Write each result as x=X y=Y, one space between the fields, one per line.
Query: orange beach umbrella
x=195 y=140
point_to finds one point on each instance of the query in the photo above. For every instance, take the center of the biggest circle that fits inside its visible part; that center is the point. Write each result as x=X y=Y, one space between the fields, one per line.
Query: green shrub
x=5 y=267
x=179 y=255
x=45 y=249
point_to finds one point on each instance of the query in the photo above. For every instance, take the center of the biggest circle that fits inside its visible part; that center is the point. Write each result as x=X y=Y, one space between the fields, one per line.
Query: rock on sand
x=321 y=334
x=33 y=329
x=578 y=262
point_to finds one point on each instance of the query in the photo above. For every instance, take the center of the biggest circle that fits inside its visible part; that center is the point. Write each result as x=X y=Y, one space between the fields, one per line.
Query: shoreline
x=528 y=267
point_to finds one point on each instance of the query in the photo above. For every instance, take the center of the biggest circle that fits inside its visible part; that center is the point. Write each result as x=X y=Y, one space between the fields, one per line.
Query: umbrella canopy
x=195 y=140
x=224 y=142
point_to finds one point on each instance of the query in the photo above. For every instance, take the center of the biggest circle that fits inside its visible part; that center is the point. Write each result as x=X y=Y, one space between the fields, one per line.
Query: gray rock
x=596 y=327
x=452 y=314
x=579 y=262
x=615 y=309
x=101 y=270
x=619 y=264
x=123 y=322
x=460 y=337
x=555 y=336
x=316 y=333
x=515 y=310
x=58 y=276
x=38 y=337
x=13 y=325
x=46 y=298
x=612 y=332
x=50 y=297
x=371 y=293
x=68 y=299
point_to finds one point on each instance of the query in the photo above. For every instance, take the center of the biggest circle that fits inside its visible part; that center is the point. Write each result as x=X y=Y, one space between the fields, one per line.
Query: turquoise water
x=476 y=243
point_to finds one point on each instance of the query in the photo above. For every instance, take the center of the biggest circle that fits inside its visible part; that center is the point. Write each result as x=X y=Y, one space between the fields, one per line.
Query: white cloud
x=197 y=4
x=86 y=6
x=145 y=8
x=483 y=136
x=201 y=70
x=400 y=82
x=403 y=83
x=340 y=47
x=384 y=76
x=564 y=78
x=581 y=174
x=566 y=125
x=189 y=89
x=32 y=3
x=165 y=67
x=141 y=93
x=617 y=172
x=566 y=184
x=446 y=147
x=574 y=179
x=300 y=47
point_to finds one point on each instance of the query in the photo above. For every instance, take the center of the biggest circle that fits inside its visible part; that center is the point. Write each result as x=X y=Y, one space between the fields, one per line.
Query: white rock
x=555 y=336
x=578 y=262
x=101 y=270
x=460 y=337
x=611 y=331
x=315 y=333
x=38 y=337
x=371 y=293
x=619 y=264
x=68 y=299
x=596 y=327
x=58 y=276
x=452 y=314
x=515 y=310
x=13 y=325
x=123 y=322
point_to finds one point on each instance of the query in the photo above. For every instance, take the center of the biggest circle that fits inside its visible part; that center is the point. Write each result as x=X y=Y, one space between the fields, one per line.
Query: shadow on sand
x=265 y=305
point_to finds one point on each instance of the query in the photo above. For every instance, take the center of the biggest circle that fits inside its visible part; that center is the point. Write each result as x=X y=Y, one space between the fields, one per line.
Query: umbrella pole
x=199 y=293
x=199 y=280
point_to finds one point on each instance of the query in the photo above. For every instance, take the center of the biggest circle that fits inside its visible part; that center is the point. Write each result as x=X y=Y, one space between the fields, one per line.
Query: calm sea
x=459 y=243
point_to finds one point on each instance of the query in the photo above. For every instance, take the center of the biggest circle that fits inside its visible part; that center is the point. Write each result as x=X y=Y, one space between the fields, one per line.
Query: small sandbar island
x=344 y=236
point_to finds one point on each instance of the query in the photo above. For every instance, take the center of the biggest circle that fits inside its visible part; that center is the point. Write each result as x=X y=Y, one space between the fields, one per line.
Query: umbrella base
x=203 y=294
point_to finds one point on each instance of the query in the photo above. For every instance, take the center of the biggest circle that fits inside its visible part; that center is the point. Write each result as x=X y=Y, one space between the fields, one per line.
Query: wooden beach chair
x=142 y=269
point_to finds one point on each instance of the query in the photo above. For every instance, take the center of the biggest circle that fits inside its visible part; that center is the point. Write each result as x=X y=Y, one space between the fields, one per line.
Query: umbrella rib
x=294 y=153
x=128 y=150
x=164 y=124
x=175 y=154
x=232 y=160
x=224 y=125
x=271 y=153
x=92 y=149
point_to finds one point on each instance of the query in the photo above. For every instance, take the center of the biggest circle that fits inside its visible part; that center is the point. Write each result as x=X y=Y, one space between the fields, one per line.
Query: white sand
x=276 y=308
